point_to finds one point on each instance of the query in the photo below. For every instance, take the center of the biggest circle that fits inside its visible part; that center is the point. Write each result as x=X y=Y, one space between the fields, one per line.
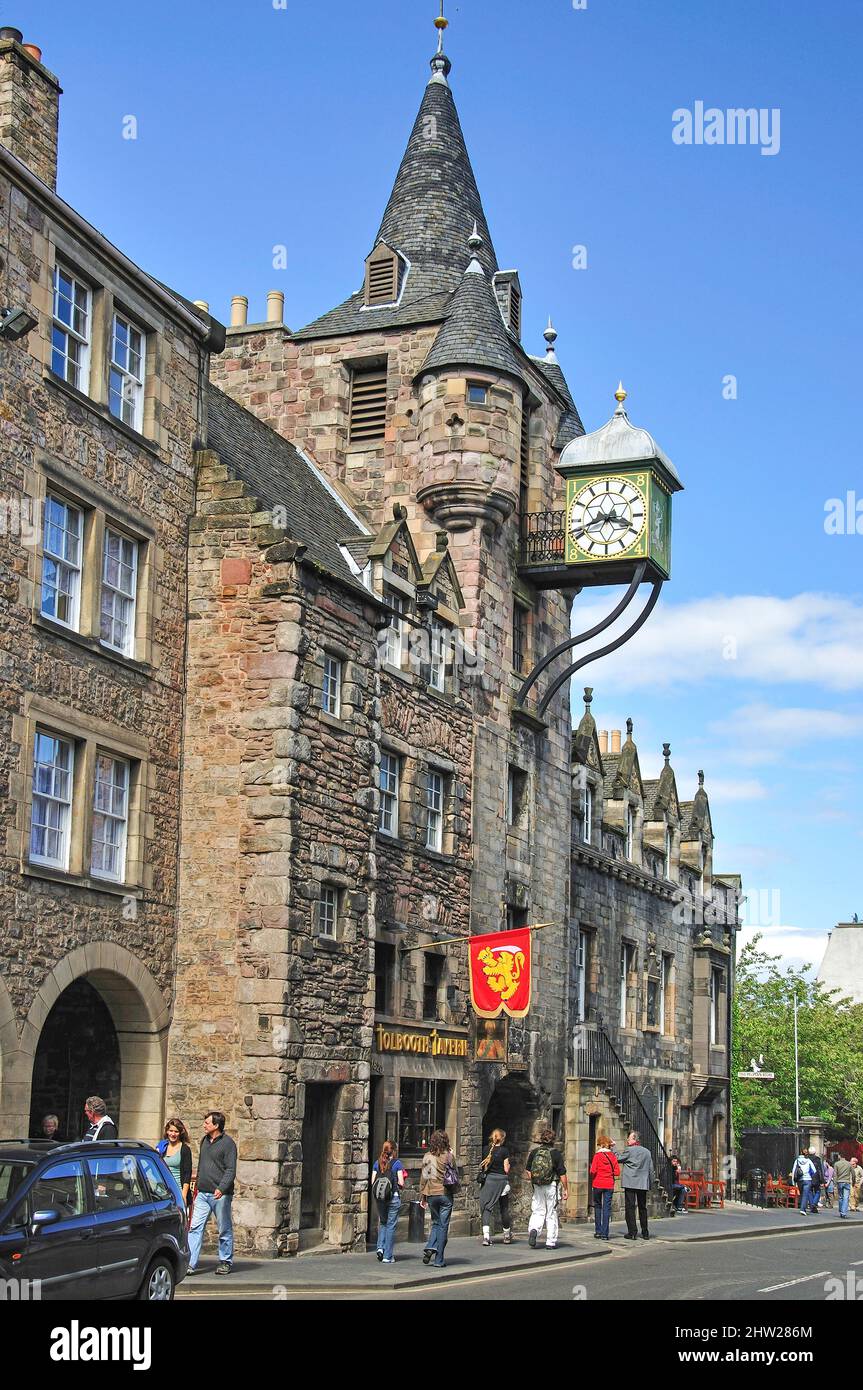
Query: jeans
x=441 y=1211
x=679 y=1193
x=631 y=1195
x=543 y=1211
x=388 y=1215
x=805 y=1195
x=814 y=1196
x=205 y=1205
x=602 y=1210
x=844 y=1194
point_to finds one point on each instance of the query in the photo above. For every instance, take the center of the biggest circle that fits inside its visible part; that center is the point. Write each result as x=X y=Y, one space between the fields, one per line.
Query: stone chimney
x=603 y=740
x=29 y=106
x=615 y=740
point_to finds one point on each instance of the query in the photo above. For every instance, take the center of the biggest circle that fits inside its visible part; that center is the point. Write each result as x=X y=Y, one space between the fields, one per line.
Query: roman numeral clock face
x=607 y=517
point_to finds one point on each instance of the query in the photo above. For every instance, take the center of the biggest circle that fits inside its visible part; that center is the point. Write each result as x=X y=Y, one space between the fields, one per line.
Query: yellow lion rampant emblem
x=502 y=970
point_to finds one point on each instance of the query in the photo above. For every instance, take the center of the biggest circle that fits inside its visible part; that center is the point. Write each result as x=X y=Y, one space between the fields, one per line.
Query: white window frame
x=111 y=815
x=131 y=393
x=587 y=824
x=477 y=386
x=715 y=993
x=66 y=566
x=627 y=952
x=437 y=655
x=434 y=800
x=389 y=778
x=80 y=357
x=630 y=832
x=328 y=910
x=665 y=1102
x=331 y=691
x=51 y=798
x=126 y=600
x=669 y=849
x=394 y=644
x=581 y=974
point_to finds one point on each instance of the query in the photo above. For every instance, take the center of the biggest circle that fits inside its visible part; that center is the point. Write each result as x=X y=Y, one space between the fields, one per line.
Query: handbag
x=481 y=1177
x=450 y=1175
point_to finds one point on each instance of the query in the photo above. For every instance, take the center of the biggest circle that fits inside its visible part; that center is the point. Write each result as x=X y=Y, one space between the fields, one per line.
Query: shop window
x=422 y=1110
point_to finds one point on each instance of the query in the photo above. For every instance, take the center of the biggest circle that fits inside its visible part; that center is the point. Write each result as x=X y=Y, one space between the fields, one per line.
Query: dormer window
x=382 y=276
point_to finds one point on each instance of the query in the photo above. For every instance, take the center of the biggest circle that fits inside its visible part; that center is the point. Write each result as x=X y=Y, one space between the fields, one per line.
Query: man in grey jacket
x=636 y=1169
x=843 y=1175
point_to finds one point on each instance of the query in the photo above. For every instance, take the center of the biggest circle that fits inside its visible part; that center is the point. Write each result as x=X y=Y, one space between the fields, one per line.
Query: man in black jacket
x=817 y=1180
x=217 y=1169
x=101 y=1124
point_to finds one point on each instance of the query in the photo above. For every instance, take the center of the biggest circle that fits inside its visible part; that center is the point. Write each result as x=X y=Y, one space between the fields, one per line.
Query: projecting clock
x=607 y=517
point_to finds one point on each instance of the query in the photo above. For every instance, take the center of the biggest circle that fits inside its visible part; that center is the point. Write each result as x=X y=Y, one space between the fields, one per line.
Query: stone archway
x=514 y=1106
x=140 y=1016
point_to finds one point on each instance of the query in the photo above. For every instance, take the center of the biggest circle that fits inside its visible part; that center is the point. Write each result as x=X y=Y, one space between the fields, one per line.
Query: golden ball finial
x=440 y=21
x=620 y=394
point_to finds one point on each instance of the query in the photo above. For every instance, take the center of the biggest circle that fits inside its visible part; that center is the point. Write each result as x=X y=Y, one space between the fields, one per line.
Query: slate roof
x=570 y=426
x=280 y=477
x=474 y=334
x=428 y=219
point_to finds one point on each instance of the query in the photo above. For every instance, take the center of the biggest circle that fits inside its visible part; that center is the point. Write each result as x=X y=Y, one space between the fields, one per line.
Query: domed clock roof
x=618 y=442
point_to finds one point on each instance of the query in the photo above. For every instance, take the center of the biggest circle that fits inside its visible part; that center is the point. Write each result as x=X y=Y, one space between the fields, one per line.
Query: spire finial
x=550 y=336
x=475 y=241
x=700 y=778
x=666 y=752
x=620 y=397
x=629 y=728
x=440 y=64
x=588 y=696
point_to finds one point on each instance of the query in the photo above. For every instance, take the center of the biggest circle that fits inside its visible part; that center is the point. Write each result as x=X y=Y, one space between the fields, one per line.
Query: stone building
x=842 y=965
x=266 y=618
x=99 y=406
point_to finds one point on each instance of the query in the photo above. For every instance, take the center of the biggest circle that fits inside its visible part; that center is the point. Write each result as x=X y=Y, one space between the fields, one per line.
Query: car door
x=124 y=1222
x=63 y=1256
x=170 y=1227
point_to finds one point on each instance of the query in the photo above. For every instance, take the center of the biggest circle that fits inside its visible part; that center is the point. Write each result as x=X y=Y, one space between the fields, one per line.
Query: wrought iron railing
x=596 y=1060
x=543 y=538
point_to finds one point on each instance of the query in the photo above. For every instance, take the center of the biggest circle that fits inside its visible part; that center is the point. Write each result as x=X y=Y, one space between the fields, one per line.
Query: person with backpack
x=817 y=1180
x=802 y=1174
x=604 y=1169
x=546 y=1169
x=439 y=1181
x=388 y=1179
x=493 y=1178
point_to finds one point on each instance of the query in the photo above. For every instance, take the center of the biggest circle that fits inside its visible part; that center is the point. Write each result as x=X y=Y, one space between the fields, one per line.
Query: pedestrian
x=101 y=1124
x=604 y=1169
x=50 y=1127
x=493 y=1178
x=817 y=1179
x=829 y=1172
x=217 y=1169
x=843 y=1175
x=547 y=1172
x=388 y=1179
x=438 y=1183
x=678 y=1191
x=856 y=1184
x=175 y=1146
x=802 y=1174
x=636 y=1165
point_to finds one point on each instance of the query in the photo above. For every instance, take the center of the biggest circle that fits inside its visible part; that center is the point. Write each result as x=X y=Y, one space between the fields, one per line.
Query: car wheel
x=158 y=1285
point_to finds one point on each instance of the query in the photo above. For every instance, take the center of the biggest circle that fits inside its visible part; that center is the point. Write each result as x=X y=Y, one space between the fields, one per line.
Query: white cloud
x=809 y=638
x=794 y=945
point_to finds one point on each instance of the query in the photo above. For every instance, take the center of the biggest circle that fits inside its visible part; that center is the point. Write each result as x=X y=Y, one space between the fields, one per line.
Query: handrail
x=595 y=1058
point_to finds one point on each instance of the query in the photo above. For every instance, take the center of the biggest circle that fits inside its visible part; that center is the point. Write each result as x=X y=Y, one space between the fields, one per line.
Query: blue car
x=101 y=1220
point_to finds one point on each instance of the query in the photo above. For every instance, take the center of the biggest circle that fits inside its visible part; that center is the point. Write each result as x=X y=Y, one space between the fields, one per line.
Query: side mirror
x=46 y=1217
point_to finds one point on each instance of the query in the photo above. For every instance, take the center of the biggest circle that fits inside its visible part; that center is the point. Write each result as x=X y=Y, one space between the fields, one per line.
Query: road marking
x=805 y=1279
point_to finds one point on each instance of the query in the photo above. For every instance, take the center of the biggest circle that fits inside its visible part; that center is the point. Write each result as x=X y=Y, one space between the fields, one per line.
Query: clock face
x=607 y=517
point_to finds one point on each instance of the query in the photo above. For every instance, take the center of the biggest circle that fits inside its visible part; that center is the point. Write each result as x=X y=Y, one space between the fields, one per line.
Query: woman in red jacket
x=603 y=1171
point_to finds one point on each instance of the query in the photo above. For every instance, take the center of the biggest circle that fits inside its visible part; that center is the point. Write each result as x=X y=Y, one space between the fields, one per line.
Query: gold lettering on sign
x=431 y=1043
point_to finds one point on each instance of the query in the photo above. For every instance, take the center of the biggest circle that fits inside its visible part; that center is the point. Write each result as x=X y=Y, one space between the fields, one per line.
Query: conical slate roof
x=474 y=334
x=428 y=219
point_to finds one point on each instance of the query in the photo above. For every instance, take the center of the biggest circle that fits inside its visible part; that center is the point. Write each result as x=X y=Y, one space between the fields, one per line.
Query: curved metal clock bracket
x=582 y=636
x=603 y=651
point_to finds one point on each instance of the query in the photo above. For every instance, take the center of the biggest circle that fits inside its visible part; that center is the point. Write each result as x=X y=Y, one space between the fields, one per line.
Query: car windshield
x=12 y=1174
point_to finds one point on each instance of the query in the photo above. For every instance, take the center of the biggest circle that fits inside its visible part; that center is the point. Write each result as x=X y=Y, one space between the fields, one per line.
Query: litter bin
x=756 y=1196
x=416 y=1223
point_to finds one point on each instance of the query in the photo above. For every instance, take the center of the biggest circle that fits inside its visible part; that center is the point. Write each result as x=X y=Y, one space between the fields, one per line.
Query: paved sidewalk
x=467 y=1259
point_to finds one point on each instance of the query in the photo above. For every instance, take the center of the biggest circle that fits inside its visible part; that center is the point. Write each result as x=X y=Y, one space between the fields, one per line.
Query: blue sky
x=260 y=126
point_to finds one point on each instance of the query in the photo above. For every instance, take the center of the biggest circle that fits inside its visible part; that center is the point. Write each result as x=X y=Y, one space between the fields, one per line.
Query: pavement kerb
x=750 y=1235
x=204 y=1282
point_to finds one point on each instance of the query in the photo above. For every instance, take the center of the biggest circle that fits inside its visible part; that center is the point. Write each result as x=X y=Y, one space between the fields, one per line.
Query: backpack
x=383 y=1188
x=542 y=1168
x=450 y=1174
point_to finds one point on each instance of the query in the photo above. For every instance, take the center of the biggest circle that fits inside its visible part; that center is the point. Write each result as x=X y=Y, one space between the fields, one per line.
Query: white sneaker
x=387 y=1262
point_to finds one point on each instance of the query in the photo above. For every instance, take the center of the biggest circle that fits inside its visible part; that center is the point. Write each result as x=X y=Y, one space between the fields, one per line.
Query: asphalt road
x=791 y=1267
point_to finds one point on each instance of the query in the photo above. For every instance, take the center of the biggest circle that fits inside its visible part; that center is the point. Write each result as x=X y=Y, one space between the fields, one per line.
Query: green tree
x=830 y=1046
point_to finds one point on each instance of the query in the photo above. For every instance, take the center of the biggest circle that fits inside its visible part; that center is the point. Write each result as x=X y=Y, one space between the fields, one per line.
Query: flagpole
x=449 y=940
x=796 y=1066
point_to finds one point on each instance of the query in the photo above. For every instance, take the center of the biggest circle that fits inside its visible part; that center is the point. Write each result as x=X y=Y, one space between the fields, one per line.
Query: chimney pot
x=603 y=740
x=615 y=740
x=33 y=51
x=201 y=304
x=7 y=32
x=239 y=310
x=275 y=306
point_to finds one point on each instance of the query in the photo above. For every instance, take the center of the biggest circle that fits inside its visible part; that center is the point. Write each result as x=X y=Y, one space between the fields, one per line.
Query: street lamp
x=15 y=324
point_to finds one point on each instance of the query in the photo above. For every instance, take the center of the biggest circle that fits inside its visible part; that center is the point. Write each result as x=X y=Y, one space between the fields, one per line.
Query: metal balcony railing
x=543 y=538
x=596 y=1060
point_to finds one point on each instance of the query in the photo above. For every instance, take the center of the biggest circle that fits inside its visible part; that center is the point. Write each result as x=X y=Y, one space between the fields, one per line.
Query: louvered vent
x=368 y=405
x=515 y=310
x=382 y=278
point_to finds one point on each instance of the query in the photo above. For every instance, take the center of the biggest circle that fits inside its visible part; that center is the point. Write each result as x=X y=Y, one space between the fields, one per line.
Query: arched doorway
x=514 y=1106
x=78 y=1055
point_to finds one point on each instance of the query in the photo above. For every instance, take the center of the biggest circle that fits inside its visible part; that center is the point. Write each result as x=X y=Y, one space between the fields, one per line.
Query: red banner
x=500 y=973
